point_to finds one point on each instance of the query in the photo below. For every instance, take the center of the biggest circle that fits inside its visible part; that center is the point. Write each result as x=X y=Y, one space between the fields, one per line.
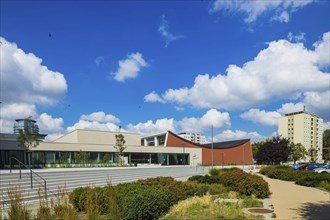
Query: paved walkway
x=292 y=201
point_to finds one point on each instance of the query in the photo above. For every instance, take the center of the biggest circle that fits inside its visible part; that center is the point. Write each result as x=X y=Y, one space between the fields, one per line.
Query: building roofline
x=153 y=135
x=227 y=144
x=190 y=142
x=301 y=112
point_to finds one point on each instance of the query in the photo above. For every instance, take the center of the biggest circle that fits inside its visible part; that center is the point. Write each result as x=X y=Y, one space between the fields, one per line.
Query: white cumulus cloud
x=100 y=117
x=228 y=135
x=210 y=118
x=192 y=124
x=153 y=97
x=322 y=50
x=36 y=85
x=282 y=71
x=49 y=124
x=149 y=127
x=25 y=83
x=93 y=125
x=262 y=117
x=278 y=10
x=130 y=67
x=291 y=107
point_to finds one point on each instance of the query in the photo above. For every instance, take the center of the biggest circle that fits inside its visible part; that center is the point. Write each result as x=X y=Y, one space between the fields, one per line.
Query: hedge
x=245 y=183
x=138 y=201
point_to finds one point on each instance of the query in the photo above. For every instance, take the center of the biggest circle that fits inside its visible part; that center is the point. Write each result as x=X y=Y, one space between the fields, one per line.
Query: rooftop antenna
x=304 y=108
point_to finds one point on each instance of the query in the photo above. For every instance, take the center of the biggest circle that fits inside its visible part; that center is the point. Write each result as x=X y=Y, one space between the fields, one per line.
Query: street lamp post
x=184 y=157
x=212 y=146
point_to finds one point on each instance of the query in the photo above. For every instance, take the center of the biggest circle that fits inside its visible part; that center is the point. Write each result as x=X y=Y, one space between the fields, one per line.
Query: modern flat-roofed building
x=164 y=149
x=305 y=128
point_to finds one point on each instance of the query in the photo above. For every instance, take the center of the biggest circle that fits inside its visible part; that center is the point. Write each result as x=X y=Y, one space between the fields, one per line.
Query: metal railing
x=31 y=174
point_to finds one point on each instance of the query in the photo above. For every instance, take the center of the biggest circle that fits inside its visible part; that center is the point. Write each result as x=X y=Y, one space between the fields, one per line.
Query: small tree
x=326 y=145
x=298 y=151
x=274 y=151
x=64 y=157
x=28 y=137
x=81 y=157
x=120 y=147
x=255 y=148
x=312 y=154
x=106 y=158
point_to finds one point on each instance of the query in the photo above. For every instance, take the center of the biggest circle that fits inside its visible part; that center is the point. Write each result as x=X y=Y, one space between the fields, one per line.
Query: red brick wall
x=241 y=154
x=174 y=141
x=234 y=155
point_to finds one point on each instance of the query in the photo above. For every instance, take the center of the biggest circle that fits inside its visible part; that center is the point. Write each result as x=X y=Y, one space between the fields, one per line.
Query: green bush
x=214 y=172
x=138 y=201
x=180 y=190
x=191 y=188
x=312 y=179
x=177 y=188
x=265 y=170
x=77 y=198
x=232 y=177
x=205 y=179
x=87 y=198
x=217 y=189
x=251 y=202
x=245 y=183
x=324 y=185
x=304 y=178
x=254 y=185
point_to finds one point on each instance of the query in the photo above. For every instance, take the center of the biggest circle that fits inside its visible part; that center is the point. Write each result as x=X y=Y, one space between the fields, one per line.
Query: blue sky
x=164 y=65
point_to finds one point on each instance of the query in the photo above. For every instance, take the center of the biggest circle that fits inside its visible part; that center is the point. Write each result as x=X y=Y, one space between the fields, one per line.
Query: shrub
x=177 y=188
x=205 y=208
x=251 y=202
x=231 y=178
x=254 y=185
x=191 y=188
x=44 y=212
x=17 y=209
x=180 y=190
x=324 y=185
x=214 y=172
x=205 y=179
x=217 y=189
x=77 y=198
x=304 y=178
x=312 y=179
x=138 y=201
x=245 y=183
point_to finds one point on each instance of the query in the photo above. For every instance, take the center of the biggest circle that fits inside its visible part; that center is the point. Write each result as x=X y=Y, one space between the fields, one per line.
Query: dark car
x=310 y=166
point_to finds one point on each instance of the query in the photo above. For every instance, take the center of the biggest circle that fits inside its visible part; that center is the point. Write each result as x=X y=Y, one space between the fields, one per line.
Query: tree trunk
x=29 y=158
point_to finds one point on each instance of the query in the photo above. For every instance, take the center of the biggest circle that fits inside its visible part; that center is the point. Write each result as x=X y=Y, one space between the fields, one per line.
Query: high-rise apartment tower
x=305 y=128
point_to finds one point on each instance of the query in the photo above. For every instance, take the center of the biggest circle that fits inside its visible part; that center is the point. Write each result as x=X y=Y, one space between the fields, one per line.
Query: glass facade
x=45 y=158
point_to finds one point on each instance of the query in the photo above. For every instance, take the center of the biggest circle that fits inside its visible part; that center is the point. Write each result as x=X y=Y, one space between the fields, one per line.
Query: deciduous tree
x=298 y=151
x=120 y=147
x=28 y=137
x=274 y=151
x=326 y=145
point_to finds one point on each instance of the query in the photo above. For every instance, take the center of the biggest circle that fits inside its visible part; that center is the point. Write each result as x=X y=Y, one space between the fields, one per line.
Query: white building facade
x=193 y=137
x=305 y=128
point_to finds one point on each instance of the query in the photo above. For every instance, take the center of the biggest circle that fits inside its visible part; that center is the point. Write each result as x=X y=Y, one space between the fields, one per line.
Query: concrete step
x=69 y=179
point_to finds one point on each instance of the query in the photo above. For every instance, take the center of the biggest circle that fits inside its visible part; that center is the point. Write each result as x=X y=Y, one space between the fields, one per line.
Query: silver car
x=324 y=169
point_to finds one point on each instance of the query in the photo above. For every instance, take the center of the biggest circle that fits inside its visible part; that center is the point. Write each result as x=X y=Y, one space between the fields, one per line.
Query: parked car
x=296 y=166
x=310 y=166
x=324 y=169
